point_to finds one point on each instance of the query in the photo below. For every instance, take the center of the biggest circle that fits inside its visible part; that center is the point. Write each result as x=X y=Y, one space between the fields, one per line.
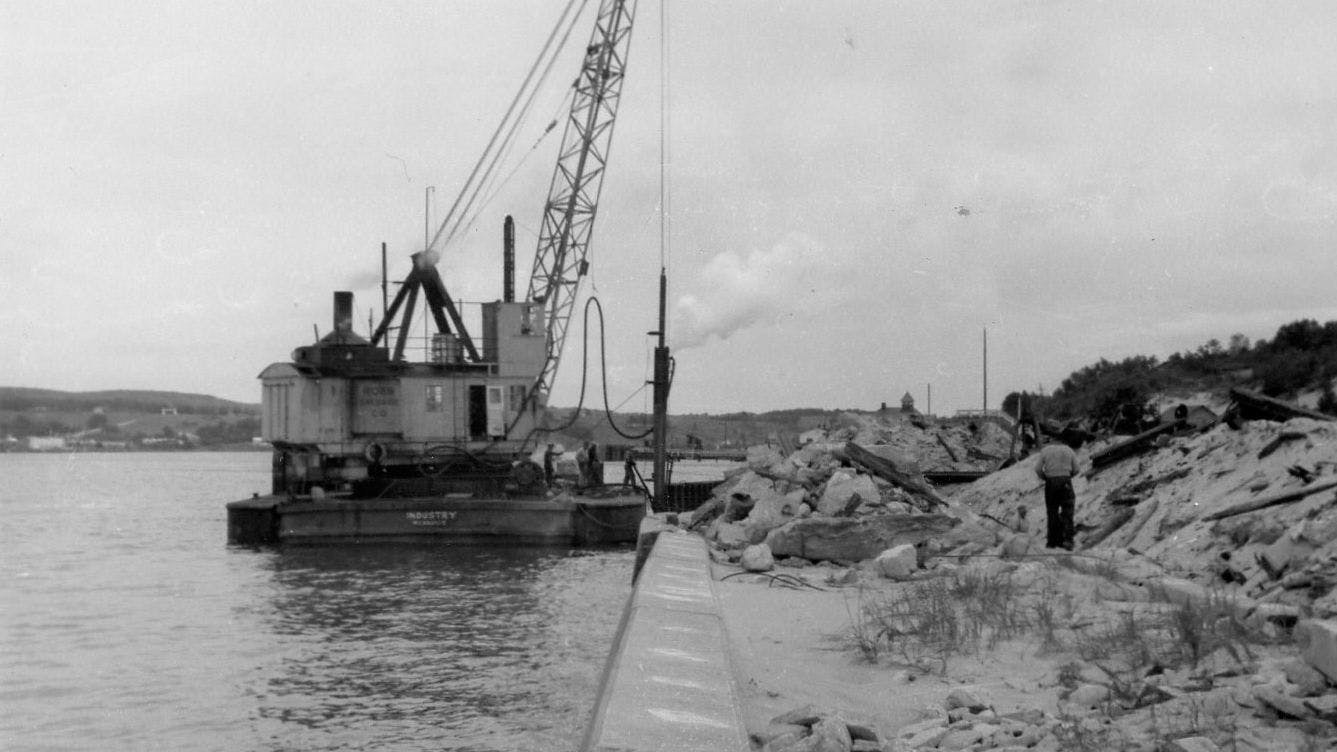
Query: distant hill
x=23 y=398
x=126 y=418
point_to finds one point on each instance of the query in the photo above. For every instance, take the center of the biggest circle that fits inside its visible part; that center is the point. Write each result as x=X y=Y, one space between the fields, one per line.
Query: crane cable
x=489 y=175
x=494 y=192
x=584 y=380
x=469 y=185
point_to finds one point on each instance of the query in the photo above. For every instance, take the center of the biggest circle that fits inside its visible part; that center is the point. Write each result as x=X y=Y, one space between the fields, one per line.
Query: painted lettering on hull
x=431 y=518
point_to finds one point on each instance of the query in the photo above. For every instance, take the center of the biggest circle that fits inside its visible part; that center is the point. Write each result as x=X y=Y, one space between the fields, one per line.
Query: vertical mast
x=661 y=389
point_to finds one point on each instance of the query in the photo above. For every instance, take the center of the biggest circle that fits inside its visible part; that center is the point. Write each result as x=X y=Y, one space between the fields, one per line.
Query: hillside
x=126 y=419
x=23 y=398
x=1298 y=364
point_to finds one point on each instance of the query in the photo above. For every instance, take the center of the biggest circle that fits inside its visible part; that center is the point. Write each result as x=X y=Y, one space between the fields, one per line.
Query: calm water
x=126 y=622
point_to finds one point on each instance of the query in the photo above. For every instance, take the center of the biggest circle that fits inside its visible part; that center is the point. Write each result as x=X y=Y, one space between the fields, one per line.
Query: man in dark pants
x=549 y=469
x=1057 y=467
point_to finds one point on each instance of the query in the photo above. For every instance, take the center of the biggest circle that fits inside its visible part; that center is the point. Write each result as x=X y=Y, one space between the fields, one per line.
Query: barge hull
x=564 y=520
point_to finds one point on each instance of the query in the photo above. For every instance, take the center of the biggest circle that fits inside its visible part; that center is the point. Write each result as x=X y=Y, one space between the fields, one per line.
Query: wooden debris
x=1255 y=406
x=1133 y=489
x=1282 y=438
x=1120 y=518
x=942 y=477
x=887 y=470
x=1138 y=444
x=950 y=452
x=1294 y=494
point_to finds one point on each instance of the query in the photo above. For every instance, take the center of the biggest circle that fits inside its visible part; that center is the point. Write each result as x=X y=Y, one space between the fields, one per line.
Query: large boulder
x=854 y=539
x=898 y=563
x=841 y=489
x=729 y=535
x=772 y=511
x=757 y=558
x=768 y=461
x=817 y=453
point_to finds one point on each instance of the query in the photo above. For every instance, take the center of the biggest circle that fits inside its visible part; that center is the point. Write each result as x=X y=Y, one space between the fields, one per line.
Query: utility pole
x=986 y=369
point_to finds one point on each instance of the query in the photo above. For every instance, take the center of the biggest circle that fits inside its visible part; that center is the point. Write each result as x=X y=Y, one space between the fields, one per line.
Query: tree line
x=1301 y=356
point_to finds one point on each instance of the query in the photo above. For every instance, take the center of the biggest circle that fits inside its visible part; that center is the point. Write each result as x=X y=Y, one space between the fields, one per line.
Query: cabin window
x=517 y=397
x=436 y=397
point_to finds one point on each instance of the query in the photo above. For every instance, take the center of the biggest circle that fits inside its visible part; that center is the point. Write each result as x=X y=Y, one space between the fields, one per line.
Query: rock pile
x=813 y=729
x=1180 y=507
x=970 y=722
x=817 y=504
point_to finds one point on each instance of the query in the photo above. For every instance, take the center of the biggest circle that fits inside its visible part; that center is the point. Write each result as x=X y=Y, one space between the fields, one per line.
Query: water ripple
x=128 y=624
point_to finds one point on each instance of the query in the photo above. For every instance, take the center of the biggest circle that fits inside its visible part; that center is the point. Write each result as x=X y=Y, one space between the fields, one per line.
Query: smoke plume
x=732 y=292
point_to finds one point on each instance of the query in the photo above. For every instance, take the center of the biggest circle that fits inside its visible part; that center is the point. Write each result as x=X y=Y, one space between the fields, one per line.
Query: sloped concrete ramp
x=669 y=682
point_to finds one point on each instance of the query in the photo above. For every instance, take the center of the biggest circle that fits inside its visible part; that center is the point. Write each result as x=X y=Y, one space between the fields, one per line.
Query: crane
x=573 y=196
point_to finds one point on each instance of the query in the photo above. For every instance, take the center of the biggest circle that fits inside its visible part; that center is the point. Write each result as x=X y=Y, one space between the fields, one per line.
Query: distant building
x=907 y=403
x=169 y=410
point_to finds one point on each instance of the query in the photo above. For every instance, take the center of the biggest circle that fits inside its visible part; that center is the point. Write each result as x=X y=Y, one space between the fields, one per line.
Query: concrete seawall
x=669 y=682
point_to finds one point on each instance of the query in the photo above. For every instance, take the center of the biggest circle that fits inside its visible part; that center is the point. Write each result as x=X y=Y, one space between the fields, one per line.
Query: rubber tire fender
x=374 y=453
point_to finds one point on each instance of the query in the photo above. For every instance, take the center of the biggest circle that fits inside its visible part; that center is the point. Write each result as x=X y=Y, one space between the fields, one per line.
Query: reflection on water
x=127 y=623
x=472 y=646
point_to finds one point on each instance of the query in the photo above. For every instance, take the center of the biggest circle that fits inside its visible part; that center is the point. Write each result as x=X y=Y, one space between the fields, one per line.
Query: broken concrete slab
x=1317 y=639
x=1287 y=552
x=854 y=539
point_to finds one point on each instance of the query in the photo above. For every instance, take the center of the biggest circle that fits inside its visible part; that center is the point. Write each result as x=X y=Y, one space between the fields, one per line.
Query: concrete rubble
x=1171 y=526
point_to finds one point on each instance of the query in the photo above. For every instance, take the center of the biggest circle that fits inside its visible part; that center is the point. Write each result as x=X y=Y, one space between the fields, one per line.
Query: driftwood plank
x=1270 y=501
x=1116 y=521
x=1254 y=405
x=1142 y=442
x=887 y=470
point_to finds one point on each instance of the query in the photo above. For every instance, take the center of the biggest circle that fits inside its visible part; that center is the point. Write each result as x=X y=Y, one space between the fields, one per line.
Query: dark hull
x=561 y=520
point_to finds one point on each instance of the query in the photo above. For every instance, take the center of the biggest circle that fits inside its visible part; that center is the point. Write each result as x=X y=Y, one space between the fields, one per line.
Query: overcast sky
x=858 y=190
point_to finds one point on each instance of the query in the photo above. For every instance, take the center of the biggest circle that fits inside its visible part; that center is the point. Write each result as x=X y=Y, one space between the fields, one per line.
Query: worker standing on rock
x=1057 y=467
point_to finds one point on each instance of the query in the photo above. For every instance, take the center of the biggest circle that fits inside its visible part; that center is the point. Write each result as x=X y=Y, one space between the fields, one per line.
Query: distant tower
x=907 y=403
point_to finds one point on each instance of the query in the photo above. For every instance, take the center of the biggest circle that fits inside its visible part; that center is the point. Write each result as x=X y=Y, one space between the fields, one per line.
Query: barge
x=372 y=448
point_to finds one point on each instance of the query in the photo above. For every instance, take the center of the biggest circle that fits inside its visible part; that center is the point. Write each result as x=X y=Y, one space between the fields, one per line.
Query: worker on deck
x=549 y=465
x=596 y=466
x=1056 y=467
x=583 y=464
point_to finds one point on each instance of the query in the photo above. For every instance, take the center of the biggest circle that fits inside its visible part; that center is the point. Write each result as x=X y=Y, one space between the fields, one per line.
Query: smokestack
x=508 y=260
x=343 y=312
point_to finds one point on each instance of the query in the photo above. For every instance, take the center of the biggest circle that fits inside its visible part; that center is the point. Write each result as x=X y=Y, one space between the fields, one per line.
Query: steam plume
x=731 y=292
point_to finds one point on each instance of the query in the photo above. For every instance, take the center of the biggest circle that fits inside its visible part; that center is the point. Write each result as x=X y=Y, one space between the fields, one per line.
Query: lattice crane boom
x=573 y=196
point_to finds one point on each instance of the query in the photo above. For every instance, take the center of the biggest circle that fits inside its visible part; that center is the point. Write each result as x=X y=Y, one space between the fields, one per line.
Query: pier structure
x=670 y=682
